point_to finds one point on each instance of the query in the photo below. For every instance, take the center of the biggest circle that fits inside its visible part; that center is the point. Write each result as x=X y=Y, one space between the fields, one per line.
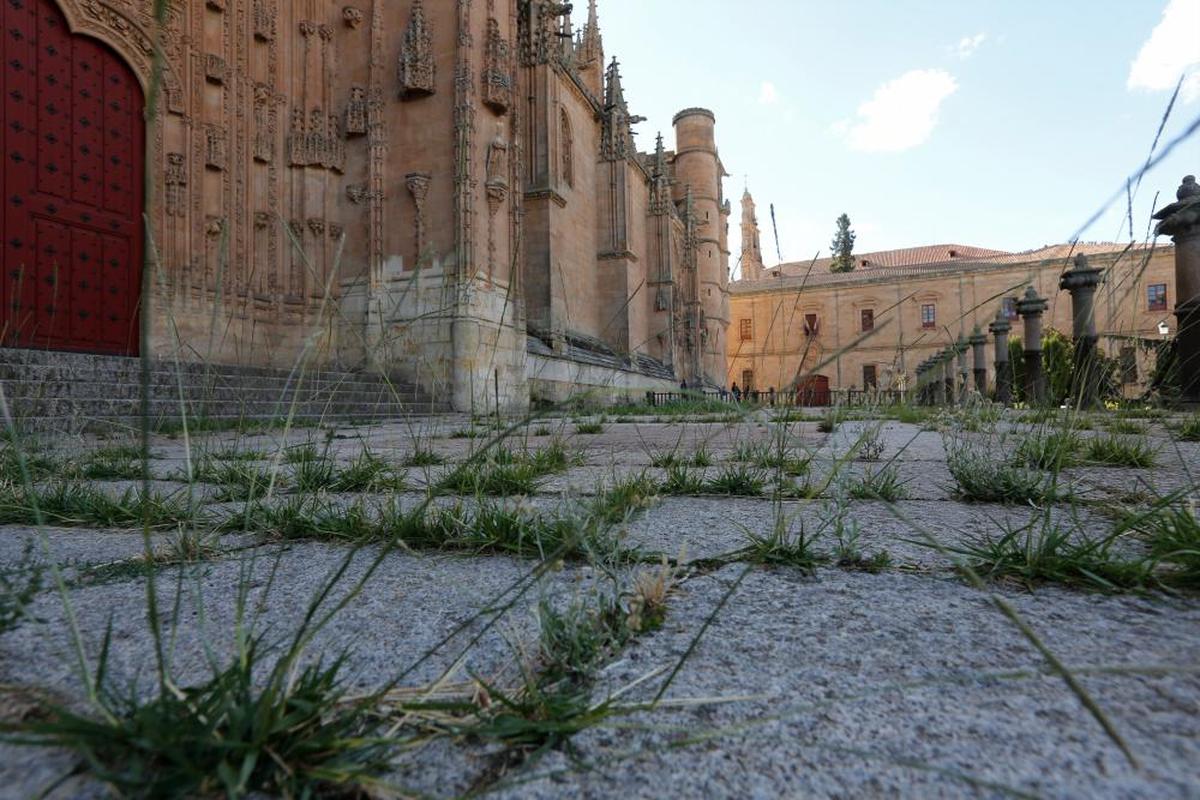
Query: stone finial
x=977 y=339
x=1181 y=217
x=1189 y=188
x=1031 y=304
x=1000 y=324
x=1081 y=275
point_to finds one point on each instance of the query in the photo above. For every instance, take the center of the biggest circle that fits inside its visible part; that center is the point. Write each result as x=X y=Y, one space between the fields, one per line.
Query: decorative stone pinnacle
x=1000 y=324
x=977 y=337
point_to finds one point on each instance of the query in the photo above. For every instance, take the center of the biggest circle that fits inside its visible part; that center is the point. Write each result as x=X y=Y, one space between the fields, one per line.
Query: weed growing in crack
x=786 y=545
x=614 y=505
x=1050 y=450
x=1042 y=552
x=830 y=420
x=1119 y=452
x=682 y=480
x=647 y=607
x=589 y=428
x=212 y=738
x=870 y=446
x=883 y=484
x=984 y=478
x=1189 y=429
x=238 y=481
x=773 y=456
x=79 y=505
x=1172 y=535
x=1125 y=427
x=738 y=480
x=575 y=639
x=15 y=464
x=424 y=457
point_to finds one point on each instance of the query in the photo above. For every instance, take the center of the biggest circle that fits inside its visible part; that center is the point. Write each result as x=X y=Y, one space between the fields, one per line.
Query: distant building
x=872 y=327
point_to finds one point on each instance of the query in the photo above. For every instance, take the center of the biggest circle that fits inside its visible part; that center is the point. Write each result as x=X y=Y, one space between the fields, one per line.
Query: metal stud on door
x=73 y=146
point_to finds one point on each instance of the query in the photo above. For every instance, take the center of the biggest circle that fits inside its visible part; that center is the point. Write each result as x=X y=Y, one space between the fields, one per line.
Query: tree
x=843 y=246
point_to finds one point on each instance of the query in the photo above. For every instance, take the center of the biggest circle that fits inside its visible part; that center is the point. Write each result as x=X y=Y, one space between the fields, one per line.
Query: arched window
x=568 y=151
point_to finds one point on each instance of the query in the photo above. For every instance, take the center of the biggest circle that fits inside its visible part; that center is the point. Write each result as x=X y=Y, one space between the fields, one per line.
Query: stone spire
x=592 y=43
x=660 y=176
x=617 y=142
x=752 y=263
x=567 y=40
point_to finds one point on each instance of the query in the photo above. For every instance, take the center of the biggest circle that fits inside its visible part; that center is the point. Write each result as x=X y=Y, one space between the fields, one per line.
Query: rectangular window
x=811 y=325
x=868 y=319
x=747 y=380
x=1156 y=297
x=929 y=316
x=747 y=329
x=1009 y=307
x=870 y=381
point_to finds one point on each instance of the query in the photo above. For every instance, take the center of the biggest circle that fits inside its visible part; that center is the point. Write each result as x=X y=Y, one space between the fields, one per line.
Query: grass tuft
x=1119 y=452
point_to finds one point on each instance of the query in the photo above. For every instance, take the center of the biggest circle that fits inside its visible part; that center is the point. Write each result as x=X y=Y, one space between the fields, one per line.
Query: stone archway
x=73 y=139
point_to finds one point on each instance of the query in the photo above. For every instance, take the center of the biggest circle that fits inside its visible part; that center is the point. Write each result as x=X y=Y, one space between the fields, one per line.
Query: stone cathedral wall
x=354 y=181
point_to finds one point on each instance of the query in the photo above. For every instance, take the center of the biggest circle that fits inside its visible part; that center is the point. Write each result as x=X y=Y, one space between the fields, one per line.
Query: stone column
x=978 y=358
x=1181 y=221
x=1000 y=328
x=937 y=380
x=1081 y=281
x=948 y=375
x=1031 y=307
x=964 y=384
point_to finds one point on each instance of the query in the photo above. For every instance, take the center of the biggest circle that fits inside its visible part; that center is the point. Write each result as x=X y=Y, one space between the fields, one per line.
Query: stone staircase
x=72 y=391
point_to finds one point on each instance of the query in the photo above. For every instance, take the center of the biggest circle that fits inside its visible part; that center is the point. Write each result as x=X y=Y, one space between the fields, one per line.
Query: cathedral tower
x=752 y=263
x=698 y=170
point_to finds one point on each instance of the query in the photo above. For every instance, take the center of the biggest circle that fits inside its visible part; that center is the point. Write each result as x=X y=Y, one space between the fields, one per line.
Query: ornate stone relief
x=417 y=69
x=352 y=17
x=215 y=68
x=357 y=111
x=264 y=124
x=176 y=185
x=315 y=140
x=497 y=190
x=418 y=187
x=264 y=20
x=216 y=150
x=497 y=71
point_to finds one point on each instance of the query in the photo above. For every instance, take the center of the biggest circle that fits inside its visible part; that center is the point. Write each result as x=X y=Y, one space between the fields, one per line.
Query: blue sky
x=996 y=123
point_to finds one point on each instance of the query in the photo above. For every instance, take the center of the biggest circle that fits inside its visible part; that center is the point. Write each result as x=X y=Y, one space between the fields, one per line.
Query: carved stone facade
x=357 y=184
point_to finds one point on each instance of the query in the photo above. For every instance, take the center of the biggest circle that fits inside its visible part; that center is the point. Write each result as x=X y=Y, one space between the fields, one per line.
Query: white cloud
x=967 y=46
x=1172 y=50
x=901 y=115
x=768 y=95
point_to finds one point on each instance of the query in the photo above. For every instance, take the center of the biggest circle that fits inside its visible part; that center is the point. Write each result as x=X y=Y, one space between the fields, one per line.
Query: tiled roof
x=821 y=276
x=904 y=257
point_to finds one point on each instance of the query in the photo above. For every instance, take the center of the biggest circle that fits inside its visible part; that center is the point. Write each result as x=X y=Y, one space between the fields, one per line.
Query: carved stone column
x=978 y=344
x=1000 y=329
x=1031 y=307
x=1181 y=221
x=1081 y=281
x=937 y=380
x=951 y=391
x=964 y=383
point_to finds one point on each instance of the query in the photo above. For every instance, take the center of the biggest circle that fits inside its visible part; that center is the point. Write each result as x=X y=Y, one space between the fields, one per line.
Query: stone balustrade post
x=978 y=344
x=1000 y=329
x=1031 y=307
x=1081 y=281
x=1181 y=221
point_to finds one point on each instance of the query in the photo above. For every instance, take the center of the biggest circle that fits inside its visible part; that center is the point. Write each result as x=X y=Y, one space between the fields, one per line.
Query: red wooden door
x=73 y=144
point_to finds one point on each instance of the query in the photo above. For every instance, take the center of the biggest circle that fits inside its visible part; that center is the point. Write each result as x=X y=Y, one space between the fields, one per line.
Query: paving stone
x=850 y=680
